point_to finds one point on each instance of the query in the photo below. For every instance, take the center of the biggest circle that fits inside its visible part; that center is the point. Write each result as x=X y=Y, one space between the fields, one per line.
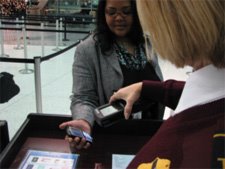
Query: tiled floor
x=56 y=80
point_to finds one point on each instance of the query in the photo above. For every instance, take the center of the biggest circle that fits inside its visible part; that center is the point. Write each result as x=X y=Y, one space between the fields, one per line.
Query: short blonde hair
x=185 y=31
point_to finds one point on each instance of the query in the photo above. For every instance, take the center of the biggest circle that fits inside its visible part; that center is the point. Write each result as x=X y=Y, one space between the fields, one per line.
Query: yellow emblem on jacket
x=156 y=164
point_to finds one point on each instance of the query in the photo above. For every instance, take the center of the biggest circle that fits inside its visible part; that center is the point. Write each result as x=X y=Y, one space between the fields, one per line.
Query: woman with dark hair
x=113 y=57
x=106 y=36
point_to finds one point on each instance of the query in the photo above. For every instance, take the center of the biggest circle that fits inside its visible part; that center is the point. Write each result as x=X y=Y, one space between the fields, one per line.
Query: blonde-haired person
x=185 y=32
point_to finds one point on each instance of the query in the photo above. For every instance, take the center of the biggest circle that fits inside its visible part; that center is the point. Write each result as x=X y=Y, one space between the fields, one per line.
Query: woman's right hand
x=77 y=143
x=130 y=94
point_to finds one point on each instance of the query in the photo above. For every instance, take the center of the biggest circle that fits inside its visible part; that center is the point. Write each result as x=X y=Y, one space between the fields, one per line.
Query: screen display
x=108 y=110
x=48 y=159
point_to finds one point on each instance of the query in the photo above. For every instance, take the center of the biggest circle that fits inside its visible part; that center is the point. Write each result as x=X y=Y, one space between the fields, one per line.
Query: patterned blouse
x=132 y=62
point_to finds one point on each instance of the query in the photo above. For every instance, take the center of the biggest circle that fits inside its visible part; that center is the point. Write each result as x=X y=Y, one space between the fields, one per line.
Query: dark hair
x=104 y=35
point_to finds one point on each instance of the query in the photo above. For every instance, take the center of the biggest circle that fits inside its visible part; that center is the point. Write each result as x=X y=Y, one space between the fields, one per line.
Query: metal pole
x=60 y=28
x=2 y=42
x=26 y=70
x=17 y=36
x=57 y=34
x=37 y=78
x=42 y=41
x=57 y=37
x=65 y=22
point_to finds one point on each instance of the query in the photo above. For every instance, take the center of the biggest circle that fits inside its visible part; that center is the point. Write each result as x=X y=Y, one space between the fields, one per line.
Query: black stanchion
x=65 y=24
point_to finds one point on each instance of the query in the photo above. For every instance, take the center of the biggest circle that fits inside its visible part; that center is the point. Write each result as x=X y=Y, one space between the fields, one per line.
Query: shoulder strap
x=100 y=69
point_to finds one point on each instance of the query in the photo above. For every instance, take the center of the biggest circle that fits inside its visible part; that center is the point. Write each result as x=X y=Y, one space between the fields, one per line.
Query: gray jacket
x=95 y=78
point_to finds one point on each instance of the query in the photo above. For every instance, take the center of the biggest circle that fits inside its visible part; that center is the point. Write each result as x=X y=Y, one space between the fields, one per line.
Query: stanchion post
x=2 y=42
x=57 y=37
x=60 y=28
x=57 y=34
x=17 y=36
x=26 y=70
x=42 y=41
x=24 y=41
x=65 y=25
x=37 y=78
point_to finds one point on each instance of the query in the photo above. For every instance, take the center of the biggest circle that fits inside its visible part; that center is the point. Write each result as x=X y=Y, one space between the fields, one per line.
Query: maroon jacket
x=185 y=140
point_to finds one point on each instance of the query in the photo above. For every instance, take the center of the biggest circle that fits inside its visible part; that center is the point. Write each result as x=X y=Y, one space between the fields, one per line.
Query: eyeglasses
x=126 y=11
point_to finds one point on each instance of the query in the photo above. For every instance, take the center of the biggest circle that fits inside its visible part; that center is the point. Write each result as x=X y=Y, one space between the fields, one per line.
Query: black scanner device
x=108 y=114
